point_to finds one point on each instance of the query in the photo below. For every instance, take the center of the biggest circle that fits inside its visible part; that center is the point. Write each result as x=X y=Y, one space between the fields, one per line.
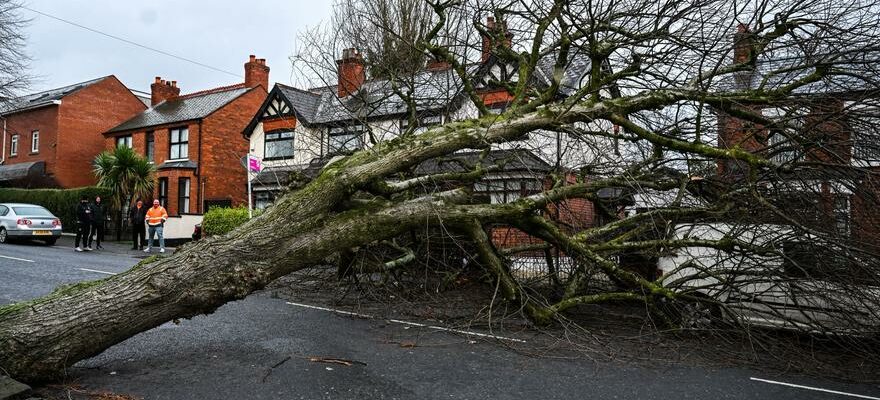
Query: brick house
x=194 y=141
x=51 y=137
x=832 y=118
x=297 y=131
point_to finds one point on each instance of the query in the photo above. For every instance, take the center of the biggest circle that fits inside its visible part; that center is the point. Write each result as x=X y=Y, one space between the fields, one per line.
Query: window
x=13 y=146
x=507 y=190
x=151 y=147
x=3 y=211
x=35 y=142
x=346 y=139
x=183 y=195
x=123 y=141
x=263 y=199
x=841 y=215
x=783 y=147
x=424 y=123
x=179 y=144
x=163 y=192
x=279 y=145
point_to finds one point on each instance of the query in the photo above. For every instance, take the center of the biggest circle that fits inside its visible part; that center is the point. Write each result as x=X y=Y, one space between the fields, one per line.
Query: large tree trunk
x=41 y=338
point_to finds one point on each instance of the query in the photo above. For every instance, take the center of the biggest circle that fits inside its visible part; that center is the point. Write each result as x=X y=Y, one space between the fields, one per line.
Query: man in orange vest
x=156 y=217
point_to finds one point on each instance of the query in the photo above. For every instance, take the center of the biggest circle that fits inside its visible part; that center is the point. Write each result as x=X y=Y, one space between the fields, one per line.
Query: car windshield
x=32 y=211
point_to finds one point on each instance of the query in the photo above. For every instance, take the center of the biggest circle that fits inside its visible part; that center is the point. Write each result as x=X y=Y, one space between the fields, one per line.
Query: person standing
x=99 y=212
x=84 y=219
x=136 y=217
x=156 y=217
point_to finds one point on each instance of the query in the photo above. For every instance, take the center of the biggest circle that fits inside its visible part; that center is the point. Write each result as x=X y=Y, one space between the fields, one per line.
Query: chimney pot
x=158 y=79
x=252 y=57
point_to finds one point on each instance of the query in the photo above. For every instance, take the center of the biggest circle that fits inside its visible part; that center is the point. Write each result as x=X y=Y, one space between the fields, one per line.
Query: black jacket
x=84 y=213
x=99 y=210
x=137 y=217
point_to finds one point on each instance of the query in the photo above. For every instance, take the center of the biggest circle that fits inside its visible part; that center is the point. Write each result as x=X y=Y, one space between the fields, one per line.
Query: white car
x=786 y=281
x=28 y=221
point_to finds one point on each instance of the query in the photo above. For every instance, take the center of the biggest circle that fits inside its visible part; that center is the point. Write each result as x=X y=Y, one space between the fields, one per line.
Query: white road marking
x=94 y=270
x=861 y=396
x=397 y=321
x=16 y=258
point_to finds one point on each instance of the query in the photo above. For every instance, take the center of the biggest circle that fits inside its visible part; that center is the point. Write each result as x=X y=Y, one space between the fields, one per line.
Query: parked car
x=28 y=221
x=801 y=283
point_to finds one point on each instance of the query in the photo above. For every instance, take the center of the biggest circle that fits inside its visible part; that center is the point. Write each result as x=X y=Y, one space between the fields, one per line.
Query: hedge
x=222 y=220
x=61 y=202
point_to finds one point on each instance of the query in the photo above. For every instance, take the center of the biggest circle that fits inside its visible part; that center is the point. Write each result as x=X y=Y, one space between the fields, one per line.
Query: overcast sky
x=219 y=33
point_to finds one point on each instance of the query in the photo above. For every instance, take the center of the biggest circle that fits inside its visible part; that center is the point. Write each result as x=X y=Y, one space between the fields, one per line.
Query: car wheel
x=51 y=242
x=4 y=236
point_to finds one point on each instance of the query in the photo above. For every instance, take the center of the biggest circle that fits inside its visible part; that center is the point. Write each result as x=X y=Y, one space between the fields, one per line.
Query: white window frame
x=13 y=145
x=35 y=141
x=124 y=140
x=183 y=146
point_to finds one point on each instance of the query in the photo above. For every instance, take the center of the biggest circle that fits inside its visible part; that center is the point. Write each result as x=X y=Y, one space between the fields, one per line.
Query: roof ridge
x=212 y=91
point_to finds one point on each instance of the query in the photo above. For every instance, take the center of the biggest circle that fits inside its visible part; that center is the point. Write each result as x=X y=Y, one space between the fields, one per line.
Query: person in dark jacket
x=99 y=212
x=136 y=217
x=84 y=220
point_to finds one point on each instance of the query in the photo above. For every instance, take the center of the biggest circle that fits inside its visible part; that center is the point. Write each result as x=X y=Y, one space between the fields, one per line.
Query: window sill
x=278 y=158
x=176 y=159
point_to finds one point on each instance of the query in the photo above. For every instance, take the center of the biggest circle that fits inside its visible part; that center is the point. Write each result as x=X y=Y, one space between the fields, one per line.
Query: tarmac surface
x=267 y=348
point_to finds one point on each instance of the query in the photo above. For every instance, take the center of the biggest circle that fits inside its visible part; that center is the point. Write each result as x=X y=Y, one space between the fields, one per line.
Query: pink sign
x=254 y=164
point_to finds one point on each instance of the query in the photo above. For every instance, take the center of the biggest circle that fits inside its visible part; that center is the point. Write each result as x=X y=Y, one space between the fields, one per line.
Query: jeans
x=97 y=233
x=153 y=230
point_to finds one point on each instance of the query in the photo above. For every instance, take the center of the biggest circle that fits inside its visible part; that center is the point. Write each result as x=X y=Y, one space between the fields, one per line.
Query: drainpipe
x=199 y=184
x=3 y=151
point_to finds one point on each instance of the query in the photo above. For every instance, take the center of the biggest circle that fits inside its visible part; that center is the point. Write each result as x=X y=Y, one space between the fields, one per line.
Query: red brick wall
x=571 y=215
x=22 y=124
x=83 y=116
x=223 y=176
x=498 y=96
x=864 y=216
x=278 y=123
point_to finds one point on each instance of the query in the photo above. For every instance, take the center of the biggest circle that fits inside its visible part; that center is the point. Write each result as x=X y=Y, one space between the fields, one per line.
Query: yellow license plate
x=42 y=233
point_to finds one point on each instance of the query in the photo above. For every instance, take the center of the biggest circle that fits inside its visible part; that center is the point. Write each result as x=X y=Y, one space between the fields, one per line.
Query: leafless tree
x=727 y=149
x=13 y=61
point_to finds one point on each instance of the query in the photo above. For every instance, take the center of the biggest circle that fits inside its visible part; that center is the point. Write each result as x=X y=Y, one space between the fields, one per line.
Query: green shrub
x=222 y=220
x=61 y=202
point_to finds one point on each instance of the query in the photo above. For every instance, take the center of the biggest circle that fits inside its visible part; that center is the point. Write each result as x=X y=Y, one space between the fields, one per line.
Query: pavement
x=268 y=348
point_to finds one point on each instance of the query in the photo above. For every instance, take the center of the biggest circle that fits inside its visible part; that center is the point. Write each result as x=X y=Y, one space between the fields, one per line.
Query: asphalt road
x=266 y=348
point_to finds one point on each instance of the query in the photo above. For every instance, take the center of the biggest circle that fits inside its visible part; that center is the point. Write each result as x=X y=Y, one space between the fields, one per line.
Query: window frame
x=126 y=140
x=181 y=145
x=150 y=146
x=13 y=145
x=184 y=189
x=356 y=131
x=267 y=140
x=163 y=192
x=35 y=141
x=424 y=122
x=502 y=190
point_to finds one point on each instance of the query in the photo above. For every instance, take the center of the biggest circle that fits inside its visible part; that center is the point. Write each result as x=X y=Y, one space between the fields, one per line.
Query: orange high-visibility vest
x=155 y=215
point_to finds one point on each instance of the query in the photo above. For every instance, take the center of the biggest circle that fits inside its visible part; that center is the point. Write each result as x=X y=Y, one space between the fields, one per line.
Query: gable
x=276 y=105
x=496 y=71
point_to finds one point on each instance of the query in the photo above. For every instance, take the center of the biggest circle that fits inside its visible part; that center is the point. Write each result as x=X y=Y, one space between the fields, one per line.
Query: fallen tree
x=657 y=87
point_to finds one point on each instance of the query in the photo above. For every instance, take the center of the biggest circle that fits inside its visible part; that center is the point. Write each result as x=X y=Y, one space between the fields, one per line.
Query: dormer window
x=279 y=145
x=345 y=139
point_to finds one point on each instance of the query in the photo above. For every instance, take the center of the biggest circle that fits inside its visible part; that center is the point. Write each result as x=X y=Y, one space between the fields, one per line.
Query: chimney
x=742 y=44
x=436 y=64
x=351 y=73
x=162 y=90
x=495 y=29
x=256 y=73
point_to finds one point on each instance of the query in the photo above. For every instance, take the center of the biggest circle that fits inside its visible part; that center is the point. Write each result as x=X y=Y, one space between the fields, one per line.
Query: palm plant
x=127 y=175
